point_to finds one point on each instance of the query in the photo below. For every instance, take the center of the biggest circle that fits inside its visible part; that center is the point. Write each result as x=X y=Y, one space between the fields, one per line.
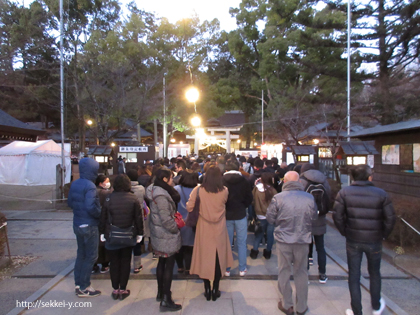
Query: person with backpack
x=317 y=185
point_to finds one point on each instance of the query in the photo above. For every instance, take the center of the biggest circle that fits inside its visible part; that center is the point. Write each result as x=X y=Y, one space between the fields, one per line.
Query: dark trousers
x=103 y=257
x=183 y=257
x=120 y=260
x=164 y=274
x=354 y=260
x=137 y=248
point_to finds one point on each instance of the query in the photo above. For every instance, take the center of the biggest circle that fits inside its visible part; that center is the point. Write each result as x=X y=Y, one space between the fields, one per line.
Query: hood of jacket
x=232 y=177
x=88 y=169
x=292 y=186
x=315 y=176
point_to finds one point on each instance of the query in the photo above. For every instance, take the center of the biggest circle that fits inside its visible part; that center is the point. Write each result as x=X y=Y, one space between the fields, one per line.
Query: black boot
x=215 y=293
x=159 y=295
x=207 y=289
x=254 y=253
x=267 y=254
x=168 y=305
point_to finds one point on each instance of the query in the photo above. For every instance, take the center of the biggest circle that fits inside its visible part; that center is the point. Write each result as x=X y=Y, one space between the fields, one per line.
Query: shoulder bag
x=180 y=223
x=192 y=216
x=117 y=235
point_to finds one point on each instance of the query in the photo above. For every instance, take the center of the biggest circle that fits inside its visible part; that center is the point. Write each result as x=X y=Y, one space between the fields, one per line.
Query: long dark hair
x=188 y=179
x=160 y=175
x=267 y=181
x=212 y=181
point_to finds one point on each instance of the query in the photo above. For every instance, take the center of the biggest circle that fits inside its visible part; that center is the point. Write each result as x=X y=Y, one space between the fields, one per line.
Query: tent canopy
x=44 y=147
x=32 y=163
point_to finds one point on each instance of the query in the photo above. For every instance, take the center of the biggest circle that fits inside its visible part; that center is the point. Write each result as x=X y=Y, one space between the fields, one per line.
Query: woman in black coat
x=121 y=209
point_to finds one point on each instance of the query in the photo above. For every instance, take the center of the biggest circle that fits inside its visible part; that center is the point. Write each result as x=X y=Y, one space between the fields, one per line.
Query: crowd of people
x=193 y=211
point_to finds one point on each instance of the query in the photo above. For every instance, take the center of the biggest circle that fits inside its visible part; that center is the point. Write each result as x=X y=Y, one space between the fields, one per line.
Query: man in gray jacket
x=292 y=212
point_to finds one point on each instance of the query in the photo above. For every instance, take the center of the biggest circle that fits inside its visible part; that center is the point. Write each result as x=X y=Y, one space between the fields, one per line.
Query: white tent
x=32 y=163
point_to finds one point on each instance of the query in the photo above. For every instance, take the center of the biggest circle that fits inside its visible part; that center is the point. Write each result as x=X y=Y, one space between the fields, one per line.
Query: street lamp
x=192 y=94
x=89 y=122
x=196 y=121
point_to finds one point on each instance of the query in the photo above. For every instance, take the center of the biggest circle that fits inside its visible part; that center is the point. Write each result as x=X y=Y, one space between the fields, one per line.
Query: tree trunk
x=385 y=101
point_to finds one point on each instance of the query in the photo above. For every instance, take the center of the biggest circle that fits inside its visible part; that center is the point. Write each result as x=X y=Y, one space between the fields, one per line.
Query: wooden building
x=12 y=129
x=397 y=166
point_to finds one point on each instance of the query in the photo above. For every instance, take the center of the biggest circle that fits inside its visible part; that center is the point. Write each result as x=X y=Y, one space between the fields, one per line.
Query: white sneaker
x=381 y=307
x=227 y=273
x=243 y=273
x=349 y=312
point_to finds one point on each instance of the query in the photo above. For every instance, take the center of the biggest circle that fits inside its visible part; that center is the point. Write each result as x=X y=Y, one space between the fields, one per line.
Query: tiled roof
x=401 y=126
x=303 y=149
x=100 y=150
x=9 y=121
x=358 y=147
x=234 y=118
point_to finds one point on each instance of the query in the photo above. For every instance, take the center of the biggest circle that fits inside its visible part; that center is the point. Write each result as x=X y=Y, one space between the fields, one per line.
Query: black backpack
x=320 y=195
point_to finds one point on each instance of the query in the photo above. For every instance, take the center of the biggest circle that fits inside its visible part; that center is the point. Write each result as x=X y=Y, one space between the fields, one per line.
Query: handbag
x=180 y=223
x=119 y=236
x=192 y=216
x=254 y=226
x=179 y=220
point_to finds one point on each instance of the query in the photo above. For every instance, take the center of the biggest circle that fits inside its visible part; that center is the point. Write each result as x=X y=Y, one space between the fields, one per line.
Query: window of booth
x=101 y=159
x=303 y=158
x=324 y=152
x=356 y=160
x=131 y=157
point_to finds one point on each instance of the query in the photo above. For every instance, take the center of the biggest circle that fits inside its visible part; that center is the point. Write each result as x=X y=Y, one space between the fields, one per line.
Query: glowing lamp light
x=89 y=122
x=255 y=143
x=192 y=95
x=181 y=142
x=173 y=140
x=112 y=144
x=239 y=141
x=316 y=141
x=196 y=121
x=199 y=133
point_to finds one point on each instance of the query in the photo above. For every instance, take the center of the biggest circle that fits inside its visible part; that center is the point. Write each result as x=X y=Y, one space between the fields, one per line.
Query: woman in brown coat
x=212 y=252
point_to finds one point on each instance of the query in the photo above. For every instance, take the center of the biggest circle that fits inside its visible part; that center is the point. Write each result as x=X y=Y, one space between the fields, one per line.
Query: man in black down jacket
x=240 y=197
x=364 y=214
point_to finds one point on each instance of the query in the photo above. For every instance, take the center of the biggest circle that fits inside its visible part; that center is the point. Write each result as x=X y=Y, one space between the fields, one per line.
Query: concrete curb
x=43 y=290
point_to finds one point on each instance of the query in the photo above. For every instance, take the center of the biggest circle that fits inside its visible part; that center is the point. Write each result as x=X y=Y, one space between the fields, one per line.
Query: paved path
x=49 y=235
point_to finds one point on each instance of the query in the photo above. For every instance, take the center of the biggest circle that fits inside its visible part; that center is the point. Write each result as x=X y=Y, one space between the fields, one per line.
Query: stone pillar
x=228 y=150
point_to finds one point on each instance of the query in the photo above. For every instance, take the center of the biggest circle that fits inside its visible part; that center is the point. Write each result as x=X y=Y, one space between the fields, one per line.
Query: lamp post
x=192 y=96
x=165 y=131
x=262 y=116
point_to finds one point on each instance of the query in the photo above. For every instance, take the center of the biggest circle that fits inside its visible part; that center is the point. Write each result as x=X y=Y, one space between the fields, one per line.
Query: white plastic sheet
x=32 y=163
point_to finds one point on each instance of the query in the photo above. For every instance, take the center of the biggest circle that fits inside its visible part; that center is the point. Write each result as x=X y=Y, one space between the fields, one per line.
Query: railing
x=4 y=226
x=326 y=167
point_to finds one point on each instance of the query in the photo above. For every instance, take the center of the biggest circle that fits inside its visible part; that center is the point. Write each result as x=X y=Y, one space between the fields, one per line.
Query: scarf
x=171 y=191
